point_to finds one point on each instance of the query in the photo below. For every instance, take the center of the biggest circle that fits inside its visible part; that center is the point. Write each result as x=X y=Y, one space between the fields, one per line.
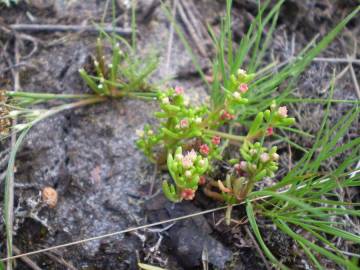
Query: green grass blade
x=254 y=226
x=339 y=260
x=7 y=203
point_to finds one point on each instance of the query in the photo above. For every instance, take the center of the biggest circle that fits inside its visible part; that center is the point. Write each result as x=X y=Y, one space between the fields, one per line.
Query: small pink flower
x=238 y=169
x=283 y=111
x=243 y=165
x=216 y=140
x=188 y=194
x=184 y=123
x=204 y=149
x=187 y=162
x=202 y=180
x=269 y=131
x=264 y=157
x=243 y=88
x=179 y=90
x=226 y=116
x=191 y=155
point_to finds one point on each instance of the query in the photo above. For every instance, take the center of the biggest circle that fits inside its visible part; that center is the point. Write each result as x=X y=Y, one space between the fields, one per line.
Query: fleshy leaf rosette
x=186 y=170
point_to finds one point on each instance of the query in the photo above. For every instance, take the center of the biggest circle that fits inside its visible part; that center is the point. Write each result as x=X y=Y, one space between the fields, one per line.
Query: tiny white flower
x=275 y=156
x=198 y=120
x=283 y=111
x=140 y=133
x=202 y=163
x=236 y=95
x=241 y=71
x=253 y=152
x=188 y=174
x=165 y=100
x=100 y=86
x=264 y=157
x=273 y=105
x=179 y=157
x=150 y=132
x=186 y=100
x=96 y=63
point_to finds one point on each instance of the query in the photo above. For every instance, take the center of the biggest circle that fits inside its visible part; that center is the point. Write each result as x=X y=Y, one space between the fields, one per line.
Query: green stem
x=69 y=106
x=225 y=135
x=47 y=96
x=228 y=214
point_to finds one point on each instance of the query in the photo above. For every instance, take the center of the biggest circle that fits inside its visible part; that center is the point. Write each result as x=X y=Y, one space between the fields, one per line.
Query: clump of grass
x=123 y=76
x=309 y=210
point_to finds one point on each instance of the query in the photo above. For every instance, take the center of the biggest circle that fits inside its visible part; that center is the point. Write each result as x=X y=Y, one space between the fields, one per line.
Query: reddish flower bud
x=238 y=168
x=269 y=131
x=204 y=149
x=179 y=90
x=202 y=180
x=226 y=116
x=188 y=194
x=216 y=140
x=243 y=88
x=184 y=123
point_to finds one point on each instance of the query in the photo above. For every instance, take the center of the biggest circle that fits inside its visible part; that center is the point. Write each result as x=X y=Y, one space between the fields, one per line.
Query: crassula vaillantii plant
x=188 y=141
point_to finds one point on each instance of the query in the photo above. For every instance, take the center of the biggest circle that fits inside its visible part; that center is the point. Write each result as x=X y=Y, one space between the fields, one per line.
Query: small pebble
x=49 y=196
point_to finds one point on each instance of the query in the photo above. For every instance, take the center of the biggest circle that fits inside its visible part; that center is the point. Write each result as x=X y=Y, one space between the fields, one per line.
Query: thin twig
x=337 y=60
x=356 y=84
x=105 y=11
x=68 y=265
x=69 y=28
x=337 y=77
x=21 y=36
x=27 y=260
x=171 y=38
x=191 y=29
x=152 y=181
x=268 y=267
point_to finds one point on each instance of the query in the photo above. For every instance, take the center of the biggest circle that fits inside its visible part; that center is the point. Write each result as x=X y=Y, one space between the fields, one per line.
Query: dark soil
x=89 y=155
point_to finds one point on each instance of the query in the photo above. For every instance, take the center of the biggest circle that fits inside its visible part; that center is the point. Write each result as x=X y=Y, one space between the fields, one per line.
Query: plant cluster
x=123 y=75
x=188 y=137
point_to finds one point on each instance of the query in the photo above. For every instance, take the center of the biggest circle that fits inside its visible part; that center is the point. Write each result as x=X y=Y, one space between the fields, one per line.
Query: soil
x=89 y=156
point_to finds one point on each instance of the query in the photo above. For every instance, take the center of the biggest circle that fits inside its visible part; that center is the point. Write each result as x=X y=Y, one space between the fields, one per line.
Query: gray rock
x=188 y=238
